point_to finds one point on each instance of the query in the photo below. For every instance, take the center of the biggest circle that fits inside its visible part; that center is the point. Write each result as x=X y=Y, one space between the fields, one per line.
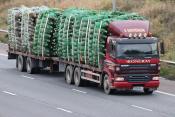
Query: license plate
x=138 y=88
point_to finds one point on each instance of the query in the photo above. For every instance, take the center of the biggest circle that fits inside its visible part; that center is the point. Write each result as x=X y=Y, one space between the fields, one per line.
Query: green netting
x=82 y=34
x=44 y=43
x=29 y=19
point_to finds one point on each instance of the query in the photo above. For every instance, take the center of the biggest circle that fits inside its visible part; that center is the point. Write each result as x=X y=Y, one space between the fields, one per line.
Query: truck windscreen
x=136 y=50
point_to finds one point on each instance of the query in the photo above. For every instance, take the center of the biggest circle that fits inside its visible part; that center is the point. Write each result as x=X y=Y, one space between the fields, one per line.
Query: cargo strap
x=99 y=32
x=79 y=41
x=43 y=38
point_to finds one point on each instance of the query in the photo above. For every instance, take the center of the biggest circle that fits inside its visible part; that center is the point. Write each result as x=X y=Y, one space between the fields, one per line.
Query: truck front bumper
x=129 y=85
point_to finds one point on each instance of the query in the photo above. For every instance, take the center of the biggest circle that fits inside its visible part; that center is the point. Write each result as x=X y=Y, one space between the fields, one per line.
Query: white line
x=62 y=109
x=9 y=93
x=28 y=77
x=4 y=55
x=79 y=91
x=169 y=94
x=141 y=108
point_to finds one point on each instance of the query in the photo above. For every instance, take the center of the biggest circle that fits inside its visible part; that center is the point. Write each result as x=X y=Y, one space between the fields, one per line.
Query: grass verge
x=3 y=38
x=167 y=71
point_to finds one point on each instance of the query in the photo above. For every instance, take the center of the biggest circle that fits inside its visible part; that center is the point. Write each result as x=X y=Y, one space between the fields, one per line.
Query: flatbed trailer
x=14 y=54
x=39 y=62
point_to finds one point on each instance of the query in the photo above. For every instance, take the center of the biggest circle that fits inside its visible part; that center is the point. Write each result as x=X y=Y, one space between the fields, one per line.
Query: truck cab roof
x=129 y=28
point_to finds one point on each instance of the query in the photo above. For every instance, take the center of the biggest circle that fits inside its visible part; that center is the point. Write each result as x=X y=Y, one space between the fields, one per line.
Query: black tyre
x=20 y=63
x=31 y=65
x=17 y=62
x=106 y=86
x=148 y=91
x=69 y=74
x=77 y=77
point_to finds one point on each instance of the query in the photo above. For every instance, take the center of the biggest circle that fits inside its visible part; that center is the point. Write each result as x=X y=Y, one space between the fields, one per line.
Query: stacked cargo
x=44 y=40
x=77 y=35
x=29 y=18
x=21 y=24
x=68 y=33
x=14 y=28
x=82 y=34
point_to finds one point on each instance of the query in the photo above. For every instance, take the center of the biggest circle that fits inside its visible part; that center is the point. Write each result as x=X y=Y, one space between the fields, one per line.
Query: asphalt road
x=47 y=95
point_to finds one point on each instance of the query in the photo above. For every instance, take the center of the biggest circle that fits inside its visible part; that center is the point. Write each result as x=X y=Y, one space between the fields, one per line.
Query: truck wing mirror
x=162 y=48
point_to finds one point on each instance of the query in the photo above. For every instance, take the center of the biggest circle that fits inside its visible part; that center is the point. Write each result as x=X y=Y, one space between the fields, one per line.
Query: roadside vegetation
x=168 y=71
x=161 y=14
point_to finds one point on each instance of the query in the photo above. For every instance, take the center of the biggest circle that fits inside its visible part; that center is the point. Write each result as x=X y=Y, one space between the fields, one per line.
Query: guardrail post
x=114 y=5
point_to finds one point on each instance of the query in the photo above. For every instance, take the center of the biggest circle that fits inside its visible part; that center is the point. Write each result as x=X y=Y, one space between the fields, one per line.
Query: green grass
x=168 y=71
x=3 y=38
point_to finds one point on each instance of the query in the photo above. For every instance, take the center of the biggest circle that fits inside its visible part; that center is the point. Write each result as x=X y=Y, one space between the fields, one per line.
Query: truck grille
x=138 y=78
x=138 y=69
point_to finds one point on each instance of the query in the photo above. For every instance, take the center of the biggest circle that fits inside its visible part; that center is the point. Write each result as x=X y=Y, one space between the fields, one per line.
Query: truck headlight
x=159 y=67
x=119 y=79
x=156 y=78
x=117 y=69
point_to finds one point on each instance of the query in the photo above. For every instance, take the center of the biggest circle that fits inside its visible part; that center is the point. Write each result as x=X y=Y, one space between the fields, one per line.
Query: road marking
x=141 y=108
x=9 y=93
x=79 y=91
x=28 y=77
x=3 y=55
x=169 y=94
x=62 y=109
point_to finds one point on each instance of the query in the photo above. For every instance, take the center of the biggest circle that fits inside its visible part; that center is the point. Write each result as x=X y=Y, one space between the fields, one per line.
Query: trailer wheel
x=17 y=62
x=21 y=63
x=77 y=77
x=106 y=85
x=148 y=91
x=69 y=74
x=30 y=65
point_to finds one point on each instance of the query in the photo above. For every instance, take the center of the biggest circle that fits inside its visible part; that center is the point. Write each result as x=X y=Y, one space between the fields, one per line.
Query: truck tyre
x=31 y=65
x=69 y=74
x=148 y=91
x=77 y=77
x=106 y=85
x=17 y=62
x=21 y=63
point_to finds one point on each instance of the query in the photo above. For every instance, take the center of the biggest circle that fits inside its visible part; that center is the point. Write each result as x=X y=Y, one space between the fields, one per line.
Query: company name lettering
x=134 y=30
x=138 y=61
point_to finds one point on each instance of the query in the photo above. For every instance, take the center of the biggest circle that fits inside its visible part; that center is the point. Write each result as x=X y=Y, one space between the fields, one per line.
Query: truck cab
x=132 y=57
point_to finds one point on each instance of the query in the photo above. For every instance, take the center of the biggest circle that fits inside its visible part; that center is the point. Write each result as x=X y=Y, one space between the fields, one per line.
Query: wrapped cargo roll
x=44 y=43
x=14 y=28
x=21 y=25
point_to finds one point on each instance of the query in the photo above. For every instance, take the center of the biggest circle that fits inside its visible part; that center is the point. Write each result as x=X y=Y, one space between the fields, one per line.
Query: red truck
x=131 y=60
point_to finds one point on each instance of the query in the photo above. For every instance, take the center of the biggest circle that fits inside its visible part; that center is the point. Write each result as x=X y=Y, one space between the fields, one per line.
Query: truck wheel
x=69 y=74
x=21 y=63
x=106 y=85
x=77 y=77
x=30 y=65
x=148 y=91
x=17 y=62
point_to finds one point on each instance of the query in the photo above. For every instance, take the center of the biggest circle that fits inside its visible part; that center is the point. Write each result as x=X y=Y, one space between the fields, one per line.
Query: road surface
x=47 y=95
